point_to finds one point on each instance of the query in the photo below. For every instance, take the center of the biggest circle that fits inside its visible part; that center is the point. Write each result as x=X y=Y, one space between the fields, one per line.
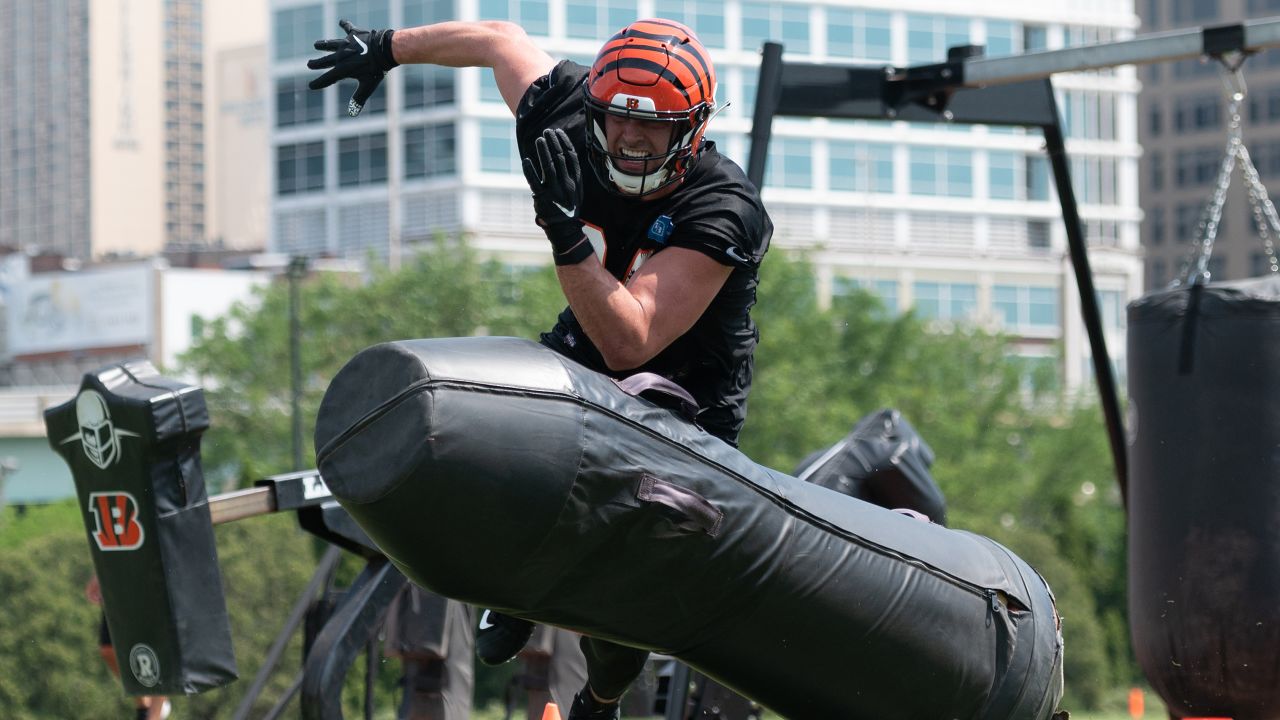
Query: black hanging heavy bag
x=1204 y=496
x=132 y=439
x=496 y=472
x=884 y=461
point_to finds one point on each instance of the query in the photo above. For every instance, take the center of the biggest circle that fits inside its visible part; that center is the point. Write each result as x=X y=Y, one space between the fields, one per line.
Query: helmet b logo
x=116 y=518
x=633 y=103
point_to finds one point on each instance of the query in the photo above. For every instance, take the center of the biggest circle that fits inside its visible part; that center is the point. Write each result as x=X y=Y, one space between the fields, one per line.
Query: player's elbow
x=505 y=30
x=622 y=356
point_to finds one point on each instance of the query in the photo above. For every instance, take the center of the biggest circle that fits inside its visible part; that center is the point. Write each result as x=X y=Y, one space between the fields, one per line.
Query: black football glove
x=364 y=55
x=556 y=182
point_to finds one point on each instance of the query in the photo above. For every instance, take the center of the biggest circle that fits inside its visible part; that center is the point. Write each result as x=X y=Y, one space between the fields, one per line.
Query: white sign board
x=56 y=312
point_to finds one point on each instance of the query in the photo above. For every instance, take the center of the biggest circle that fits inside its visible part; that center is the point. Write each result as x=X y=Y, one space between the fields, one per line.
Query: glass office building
x=960 y=223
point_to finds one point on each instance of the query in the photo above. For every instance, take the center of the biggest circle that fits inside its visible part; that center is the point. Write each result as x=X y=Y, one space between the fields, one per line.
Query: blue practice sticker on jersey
x=661 y=229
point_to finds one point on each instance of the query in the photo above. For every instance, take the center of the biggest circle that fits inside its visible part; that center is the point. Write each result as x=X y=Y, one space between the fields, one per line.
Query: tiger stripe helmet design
x=654 y=70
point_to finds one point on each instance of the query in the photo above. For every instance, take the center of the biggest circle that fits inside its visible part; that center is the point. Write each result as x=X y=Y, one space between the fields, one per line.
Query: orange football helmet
x=654 y=70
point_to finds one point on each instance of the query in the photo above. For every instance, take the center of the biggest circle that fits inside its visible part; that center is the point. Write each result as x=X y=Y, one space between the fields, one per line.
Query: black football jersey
x=715 y=211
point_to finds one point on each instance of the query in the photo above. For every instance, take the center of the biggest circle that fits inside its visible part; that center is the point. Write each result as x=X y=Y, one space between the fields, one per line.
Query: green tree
x=243 y=358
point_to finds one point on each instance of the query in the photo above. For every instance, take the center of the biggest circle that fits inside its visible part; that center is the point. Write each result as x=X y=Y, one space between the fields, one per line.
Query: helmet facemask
x=653 y=70
x=666 y=167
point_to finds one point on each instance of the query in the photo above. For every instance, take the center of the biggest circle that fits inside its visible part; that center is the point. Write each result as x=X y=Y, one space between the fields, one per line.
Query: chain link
x=1194 y=269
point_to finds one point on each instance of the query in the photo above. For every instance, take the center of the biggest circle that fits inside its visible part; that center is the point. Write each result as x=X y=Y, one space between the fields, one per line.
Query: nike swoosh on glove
x=556 y=182
x=363 y=55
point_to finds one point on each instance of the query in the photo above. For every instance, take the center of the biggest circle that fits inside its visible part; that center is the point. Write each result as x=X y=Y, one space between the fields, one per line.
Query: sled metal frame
x=1014 y=90
x=352 y=628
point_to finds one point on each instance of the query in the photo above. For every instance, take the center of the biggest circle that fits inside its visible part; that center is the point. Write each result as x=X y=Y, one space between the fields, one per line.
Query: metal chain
x=1265 y=218
x=1195 y=266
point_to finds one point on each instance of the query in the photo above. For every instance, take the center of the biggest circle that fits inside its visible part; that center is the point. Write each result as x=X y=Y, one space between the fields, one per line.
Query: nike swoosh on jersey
x=733 y=252
x=485 y=623
x=364 y=49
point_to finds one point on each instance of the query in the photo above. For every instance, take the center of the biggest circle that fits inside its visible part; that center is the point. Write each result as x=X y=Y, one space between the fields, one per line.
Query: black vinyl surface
x=493 y=471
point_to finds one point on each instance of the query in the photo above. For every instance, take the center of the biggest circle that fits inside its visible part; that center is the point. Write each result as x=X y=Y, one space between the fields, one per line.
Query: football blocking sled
x=494 y=471
x=132 y=441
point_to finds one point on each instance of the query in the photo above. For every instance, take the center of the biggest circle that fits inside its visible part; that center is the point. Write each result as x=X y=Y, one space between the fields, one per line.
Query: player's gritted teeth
x=633 y=167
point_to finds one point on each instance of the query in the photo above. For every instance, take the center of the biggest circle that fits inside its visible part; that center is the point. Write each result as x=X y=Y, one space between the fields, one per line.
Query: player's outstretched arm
x=367 y=55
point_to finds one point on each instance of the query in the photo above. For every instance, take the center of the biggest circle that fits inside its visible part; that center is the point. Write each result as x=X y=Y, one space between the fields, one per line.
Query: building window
x=1025 y=307
x=1158 y=229
x=1197 y=167
x=945 y=301
x=1260 y=264
x=1037 y=177
x=705 y=17
x=427 y=86
x=532 y=15
x=1157 y=171
x=930 y=36
x=1035 y=38
x=362 y=160
x=1186 y=221
x=299 y=168
x=788 y=24
x=1088 y=115
x=598 y=20
x=860 y=167
x=1094 y=179
x=375 y=105
x=941 y=171
x=498 y=147
x=858 y=34
x=424 y=12
x=1001 y=38
x=886 y=291
x=296 y=29
x=365 y=14
x=296 y=104
x=1155 y=120
x=790 y=163
x=1193 y=10
x=1038 y=235
x=429 y=151
x=1112 y=308
x=1159 y=273
x=1002 y=171
x=1197 y=113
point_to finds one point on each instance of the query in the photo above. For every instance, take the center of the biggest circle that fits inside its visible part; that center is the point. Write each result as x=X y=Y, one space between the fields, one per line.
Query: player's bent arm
x=630 y=324
x=502 y=46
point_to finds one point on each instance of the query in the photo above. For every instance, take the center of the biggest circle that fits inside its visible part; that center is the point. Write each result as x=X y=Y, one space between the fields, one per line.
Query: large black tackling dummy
x=493 y=471
x=132 y=440
x=1204 y=496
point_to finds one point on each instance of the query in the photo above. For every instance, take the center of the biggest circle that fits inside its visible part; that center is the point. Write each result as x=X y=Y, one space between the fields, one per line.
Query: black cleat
x=586 y=707
x=500 y=637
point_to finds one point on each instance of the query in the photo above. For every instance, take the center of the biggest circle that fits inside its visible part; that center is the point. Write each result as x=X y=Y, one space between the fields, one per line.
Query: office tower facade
x=102 y=151
x=960 y=223
x=1183 y=124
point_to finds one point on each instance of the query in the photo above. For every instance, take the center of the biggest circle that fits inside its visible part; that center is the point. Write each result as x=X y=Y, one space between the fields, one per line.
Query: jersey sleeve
x=727 y=223
x=549 y=102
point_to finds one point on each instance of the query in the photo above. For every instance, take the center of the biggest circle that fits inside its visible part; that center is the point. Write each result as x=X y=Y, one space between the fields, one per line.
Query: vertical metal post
x=1056 y=148
x=768 y=90
x=297 y=270
x=299 y=612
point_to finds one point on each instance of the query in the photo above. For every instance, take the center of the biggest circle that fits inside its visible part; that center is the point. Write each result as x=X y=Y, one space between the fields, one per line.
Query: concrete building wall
x=127 y=136
x=1183 y=120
